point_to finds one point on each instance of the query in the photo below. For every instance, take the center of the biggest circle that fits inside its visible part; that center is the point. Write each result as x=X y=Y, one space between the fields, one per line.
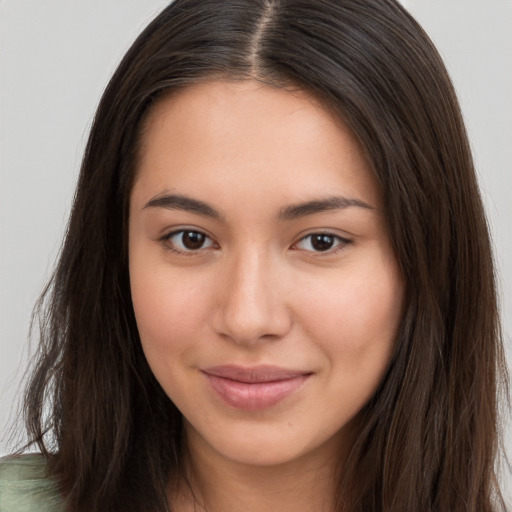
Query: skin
x=258 y=291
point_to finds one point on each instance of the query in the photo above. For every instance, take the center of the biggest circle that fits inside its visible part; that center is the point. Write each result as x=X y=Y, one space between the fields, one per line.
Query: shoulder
x=26 y=487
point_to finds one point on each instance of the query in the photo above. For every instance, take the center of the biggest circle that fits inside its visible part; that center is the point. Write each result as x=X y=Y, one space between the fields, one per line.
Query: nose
x=252 y=306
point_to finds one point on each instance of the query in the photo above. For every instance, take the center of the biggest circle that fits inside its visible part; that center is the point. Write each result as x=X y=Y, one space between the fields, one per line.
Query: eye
x=321 y=242
x=187 y=241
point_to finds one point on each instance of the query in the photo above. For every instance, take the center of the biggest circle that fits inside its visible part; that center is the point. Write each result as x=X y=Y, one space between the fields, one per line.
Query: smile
x=253 y=389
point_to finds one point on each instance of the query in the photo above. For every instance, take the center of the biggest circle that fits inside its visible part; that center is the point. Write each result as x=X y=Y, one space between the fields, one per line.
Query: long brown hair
x=428 y=437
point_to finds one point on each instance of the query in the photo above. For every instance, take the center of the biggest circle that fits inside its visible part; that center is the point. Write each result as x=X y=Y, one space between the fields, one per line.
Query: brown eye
x=322 y=242
x=193 y=239
x=188 y=241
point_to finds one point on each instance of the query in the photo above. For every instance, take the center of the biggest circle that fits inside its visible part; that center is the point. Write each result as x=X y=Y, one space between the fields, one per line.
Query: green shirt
x=26 y=487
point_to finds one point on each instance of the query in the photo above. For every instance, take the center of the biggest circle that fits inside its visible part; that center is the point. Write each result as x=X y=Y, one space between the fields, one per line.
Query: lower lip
x=255 y=396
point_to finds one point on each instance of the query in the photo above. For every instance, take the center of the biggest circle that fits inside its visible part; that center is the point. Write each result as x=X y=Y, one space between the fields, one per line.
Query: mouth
x=254 y=388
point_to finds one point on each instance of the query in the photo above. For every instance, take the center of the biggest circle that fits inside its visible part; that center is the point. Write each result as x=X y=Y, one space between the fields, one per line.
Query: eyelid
x=165 y=241
x=342 y=243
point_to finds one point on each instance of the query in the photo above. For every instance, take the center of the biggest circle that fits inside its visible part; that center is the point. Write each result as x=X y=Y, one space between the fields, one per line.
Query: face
x=265 y=289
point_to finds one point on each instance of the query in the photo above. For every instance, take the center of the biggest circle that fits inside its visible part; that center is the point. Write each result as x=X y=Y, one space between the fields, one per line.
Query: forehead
x=247 y=133
x=221 y=107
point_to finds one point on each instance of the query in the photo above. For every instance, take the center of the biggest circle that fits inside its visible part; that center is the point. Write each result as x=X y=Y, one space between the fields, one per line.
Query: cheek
x=356 y=317
x=170 y=312
x=157 y=307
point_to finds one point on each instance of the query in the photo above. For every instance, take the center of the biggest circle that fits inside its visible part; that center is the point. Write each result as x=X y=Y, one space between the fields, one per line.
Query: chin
x=256 y=445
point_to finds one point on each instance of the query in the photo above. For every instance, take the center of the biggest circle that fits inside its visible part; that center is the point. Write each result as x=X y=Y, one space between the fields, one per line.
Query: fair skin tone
x=265 y=289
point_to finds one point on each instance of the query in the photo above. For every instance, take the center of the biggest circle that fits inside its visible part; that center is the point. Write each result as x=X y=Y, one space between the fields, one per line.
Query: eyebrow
x=180 y=202
x=321 y=205
x=185 y=203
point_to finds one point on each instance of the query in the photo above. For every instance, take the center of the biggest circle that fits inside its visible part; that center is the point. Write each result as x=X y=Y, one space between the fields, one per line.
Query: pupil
x=322 y=242
x=193 y=239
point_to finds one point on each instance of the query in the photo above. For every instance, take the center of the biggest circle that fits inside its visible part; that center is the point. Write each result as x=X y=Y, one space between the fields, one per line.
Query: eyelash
x=340 y=242
x=169 y=245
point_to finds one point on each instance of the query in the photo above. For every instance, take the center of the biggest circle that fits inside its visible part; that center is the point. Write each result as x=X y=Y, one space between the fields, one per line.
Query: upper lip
x=253 y=374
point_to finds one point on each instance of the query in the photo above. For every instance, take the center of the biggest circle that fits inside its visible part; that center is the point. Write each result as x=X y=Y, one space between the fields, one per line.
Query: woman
x=276 y=290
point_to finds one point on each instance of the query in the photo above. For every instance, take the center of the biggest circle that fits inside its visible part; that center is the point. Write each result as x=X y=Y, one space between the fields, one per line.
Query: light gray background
x=55 y=59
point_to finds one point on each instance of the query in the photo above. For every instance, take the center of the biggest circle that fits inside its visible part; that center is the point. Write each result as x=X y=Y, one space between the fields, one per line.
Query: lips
x=254 y=388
